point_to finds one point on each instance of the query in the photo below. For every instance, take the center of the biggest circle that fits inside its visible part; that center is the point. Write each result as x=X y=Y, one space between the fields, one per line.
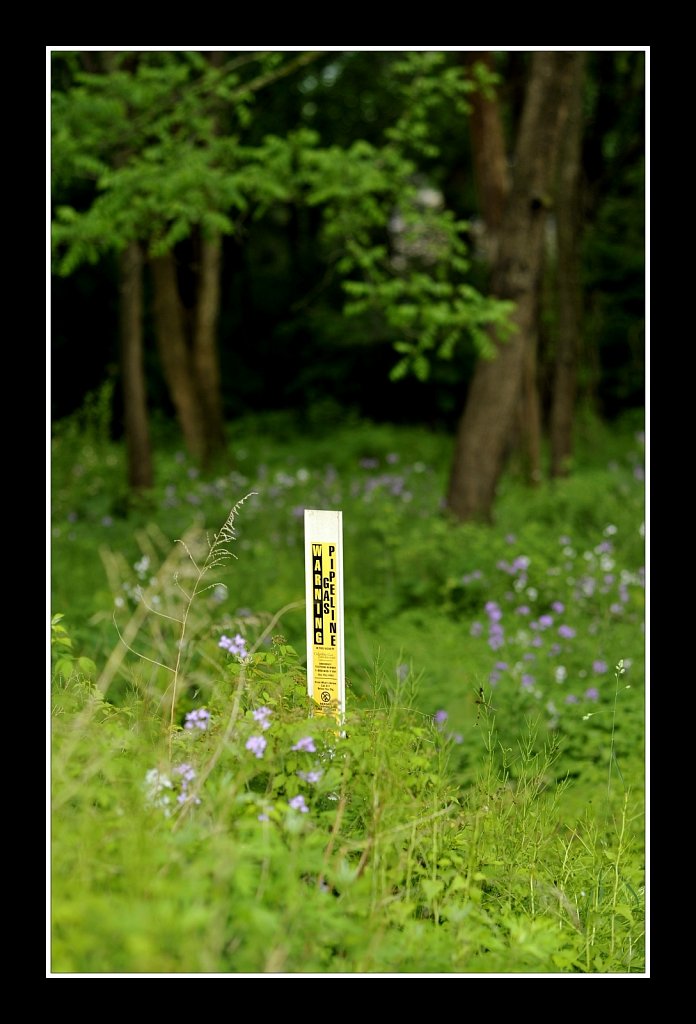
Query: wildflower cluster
x=237 y=645
x=306 y=743
x=298 y=803
x=257 y=745
x=186 y=774
x=197 y=719
x=165 y=792
x=538 y=642
x=262 y=716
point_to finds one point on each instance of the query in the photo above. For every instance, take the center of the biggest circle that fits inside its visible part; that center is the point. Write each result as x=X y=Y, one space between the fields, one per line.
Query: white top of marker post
x=325 y=619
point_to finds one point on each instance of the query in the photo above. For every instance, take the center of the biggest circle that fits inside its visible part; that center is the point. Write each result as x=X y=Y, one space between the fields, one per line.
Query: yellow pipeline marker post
x=326 y=670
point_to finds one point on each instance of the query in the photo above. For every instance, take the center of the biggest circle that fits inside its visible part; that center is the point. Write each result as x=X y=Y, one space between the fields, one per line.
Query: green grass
x=500 y=838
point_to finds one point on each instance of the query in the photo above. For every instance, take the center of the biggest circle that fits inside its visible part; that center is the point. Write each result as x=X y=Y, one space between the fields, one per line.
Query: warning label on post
x=326 y=619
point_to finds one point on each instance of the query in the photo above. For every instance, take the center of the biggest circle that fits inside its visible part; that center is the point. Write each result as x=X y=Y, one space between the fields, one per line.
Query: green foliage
x=505 y=838
x=392 y=868
x=65 y=664
x=163 y=143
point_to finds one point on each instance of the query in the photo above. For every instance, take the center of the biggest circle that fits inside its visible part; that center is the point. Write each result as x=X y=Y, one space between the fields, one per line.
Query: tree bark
x=530 y=411
x=486 y=423
x=137 y=429
x=490 y=158
x=569 y=220
x=175 y=356
x=205 y=351
x=493 y=186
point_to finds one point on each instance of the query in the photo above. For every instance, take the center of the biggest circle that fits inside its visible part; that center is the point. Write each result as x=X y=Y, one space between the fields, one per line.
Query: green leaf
x=432 y=887
x=64 y=667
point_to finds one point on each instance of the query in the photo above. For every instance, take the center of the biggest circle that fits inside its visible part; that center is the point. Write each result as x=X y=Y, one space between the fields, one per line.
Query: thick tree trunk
x=175 y=356
x=569 y=220
x=485 y=426
x=137 y=430
x=205 y=351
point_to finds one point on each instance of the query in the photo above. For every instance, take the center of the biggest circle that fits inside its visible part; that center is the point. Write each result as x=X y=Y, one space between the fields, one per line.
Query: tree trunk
x=490 y=159
x=530 y=411
x=205 y=352
x=569 y=219
x=137 y=430
x=493 y=186
x=486 y=423
x=175 y=356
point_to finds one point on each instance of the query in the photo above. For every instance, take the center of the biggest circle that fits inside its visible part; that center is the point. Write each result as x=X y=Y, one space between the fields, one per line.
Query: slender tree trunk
x=569 y=219
x=488 y=418
x=175 y=355
x=205 y=351
x=490 y=158
x=530 y=410
x=137 y=429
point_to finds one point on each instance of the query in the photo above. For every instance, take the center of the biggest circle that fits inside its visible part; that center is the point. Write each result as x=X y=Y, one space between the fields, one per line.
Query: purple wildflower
x=615 y=609
x=494 y=612
x=261 y=715
x=558 y=607
x=237 y=645
x=298 y=804
x=256 y=744
x=476 y=629
x=592 y=693
x=197 y=719
x=311 y=777
x=186 y=771
x=263 y=817
x=522 y=610
x=306 y=743
x=545 y=621
x=501 y=666
x=527 y=681
x=571 y=699
x=599 y=667
x=567 y=632
x=440 y=717
x=187 y=774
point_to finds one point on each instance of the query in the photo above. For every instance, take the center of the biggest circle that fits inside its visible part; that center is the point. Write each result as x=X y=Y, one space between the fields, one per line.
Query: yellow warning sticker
x=325 y=638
